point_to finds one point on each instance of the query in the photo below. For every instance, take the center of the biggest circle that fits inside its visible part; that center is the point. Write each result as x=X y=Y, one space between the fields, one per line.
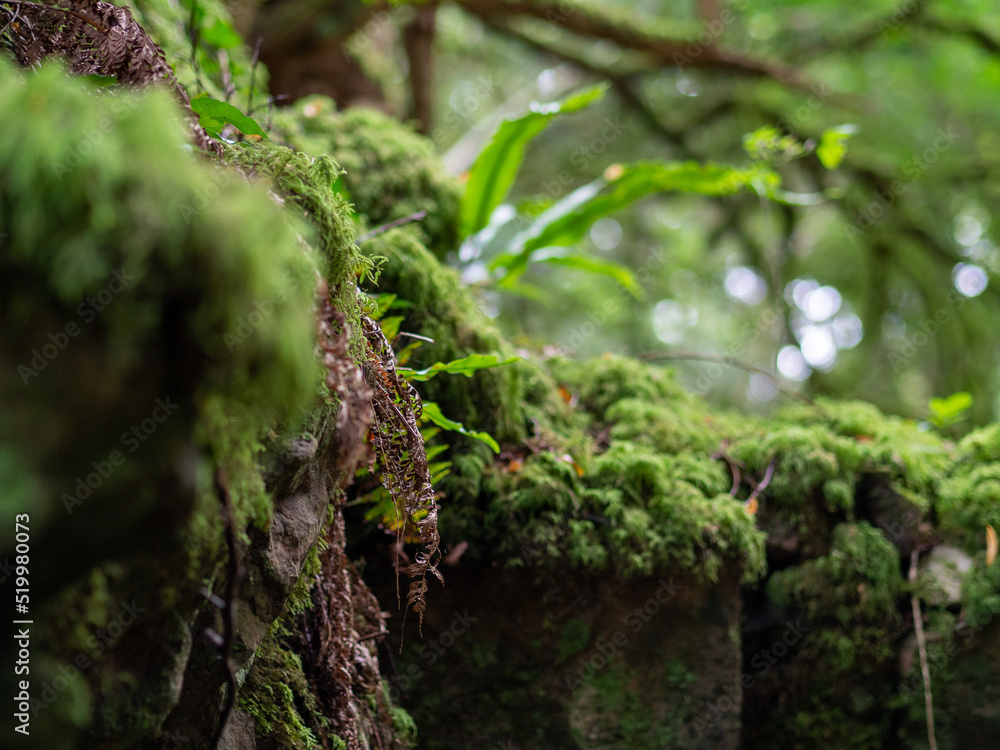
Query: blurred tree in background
x=878 y=286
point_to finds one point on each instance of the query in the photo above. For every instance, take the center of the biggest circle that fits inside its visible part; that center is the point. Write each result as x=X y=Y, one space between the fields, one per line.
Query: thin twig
x=727 y=359
x=763 y=482
x=253 y=73
x=415 y=216
x=737 y=478
x=416 y=336
x=918 y=628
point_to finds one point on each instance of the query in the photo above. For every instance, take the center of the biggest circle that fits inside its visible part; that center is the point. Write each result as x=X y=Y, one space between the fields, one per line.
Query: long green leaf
x=496 y=167
x=634 y=182
x=568 y=220
x=212 y=114
x=466 y=366
x=616 y=271
x=433 y=412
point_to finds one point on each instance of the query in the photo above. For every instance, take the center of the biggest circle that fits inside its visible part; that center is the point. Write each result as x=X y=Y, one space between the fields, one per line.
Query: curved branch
x=621 y=83
x=668 y=52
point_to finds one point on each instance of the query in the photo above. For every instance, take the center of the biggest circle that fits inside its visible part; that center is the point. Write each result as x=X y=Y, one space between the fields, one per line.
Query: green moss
x=834 y=687
x=652 y=501
x=981 y=593
x=612 y=710
x=391 y=172
x=278 y=697
x=970 y=493
x=859 y=579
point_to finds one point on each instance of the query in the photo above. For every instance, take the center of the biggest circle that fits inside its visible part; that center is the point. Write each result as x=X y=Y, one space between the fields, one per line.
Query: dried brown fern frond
x=96 y=38
x=399 y=448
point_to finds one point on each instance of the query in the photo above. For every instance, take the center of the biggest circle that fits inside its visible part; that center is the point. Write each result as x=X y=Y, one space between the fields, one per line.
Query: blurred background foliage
x=882 y=287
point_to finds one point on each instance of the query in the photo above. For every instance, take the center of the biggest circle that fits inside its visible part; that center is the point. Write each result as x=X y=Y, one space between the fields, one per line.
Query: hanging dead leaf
x=515 y=466
x=750 y=506
x=991 y=544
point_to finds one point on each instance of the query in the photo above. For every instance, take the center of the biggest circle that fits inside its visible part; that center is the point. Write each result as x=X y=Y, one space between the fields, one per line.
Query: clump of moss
x=278 y=697
x=859 y=578
x=968 y=495
x=309 y=183
x=390 y=171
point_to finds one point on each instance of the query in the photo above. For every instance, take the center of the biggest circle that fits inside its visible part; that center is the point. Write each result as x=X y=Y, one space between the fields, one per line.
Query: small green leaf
x=465 y=366
x=211 y=111
x=947 y=411
x=433 y=412
x=496 y=167
x=833 y=145
x=768 y=144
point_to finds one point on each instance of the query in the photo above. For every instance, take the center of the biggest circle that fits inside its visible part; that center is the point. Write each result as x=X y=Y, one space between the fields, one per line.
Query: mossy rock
x=572 y=662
